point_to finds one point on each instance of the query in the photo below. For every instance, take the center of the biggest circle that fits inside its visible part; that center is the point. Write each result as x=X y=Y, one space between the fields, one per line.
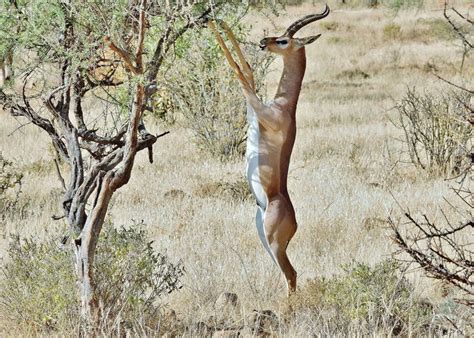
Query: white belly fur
x=253 y=176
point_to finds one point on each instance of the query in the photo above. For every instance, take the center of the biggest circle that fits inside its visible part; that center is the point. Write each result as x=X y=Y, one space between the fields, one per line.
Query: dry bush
x=237 y=191
x=211 y=100
x=363 y=300
x=435 y=130
x=443 y=248
x=214 y=109
x=353 y=74
x=132 y=277
x=37 y=289
x=330 y=25
x=391 y=31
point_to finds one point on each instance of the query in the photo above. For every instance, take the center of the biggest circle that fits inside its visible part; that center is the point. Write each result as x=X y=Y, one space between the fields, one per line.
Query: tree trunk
x=90 y=315
x=85 y=248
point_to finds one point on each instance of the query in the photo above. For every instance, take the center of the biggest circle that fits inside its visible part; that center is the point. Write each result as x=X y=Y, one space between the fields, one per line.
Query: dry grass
x=344 y=178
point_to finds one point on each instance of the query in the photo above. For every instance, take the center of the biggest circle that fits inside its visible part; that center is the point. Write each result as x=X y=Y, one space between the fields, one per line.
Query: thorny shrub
x=38 y=284
x=237 y=191
x=435 y=129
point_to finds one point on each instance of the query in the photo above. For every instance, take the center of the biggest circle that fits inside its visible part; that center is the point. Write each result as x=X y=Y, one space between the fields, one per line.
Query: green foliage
x=33 y=25
x=7 y=21
x=38 y=284
x=365 y=299
x=214 y=109
x=37 y=29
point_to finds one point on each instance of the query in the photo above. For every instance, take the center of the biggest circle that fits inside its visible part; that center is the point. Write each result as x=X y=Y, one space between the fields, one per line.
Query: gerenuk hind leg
x=280 y=227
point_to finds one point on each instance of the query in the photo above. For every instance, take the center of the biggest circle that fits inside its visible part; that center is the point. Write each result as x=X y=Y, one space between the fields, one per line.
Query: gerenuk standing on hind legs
x=271 y=135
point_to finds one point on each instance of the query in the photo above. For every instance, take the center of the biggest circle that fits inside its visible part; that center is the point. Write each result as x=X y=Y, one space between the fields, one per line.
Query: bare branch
x=462 y=16
x=454 y=85
x=16 y=109
x=90 y=135
x=454 y=266
x=123 y=174
x=455 y=28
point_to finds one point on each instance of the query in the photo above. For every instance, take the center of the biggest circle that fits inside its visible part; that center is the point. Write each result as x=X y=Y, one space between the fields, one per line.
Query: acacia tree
x=86 y=73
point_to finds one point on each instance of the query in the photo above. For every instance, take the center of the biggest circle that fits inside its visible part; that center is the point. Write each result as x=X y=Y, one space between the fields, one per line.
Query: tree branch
x=454 y=85
x=141 y=36
x=123 y=55
x=455 y=28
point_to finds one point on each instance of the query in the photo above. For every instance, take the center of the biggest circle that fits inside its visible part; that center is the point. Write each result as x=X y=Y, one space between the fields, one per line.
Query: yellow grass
x=344 y=178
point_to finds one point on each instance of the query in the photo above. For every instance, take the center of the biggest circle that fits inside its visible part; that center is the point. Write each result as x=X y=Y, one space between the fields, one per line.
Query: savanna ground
x=348 y=172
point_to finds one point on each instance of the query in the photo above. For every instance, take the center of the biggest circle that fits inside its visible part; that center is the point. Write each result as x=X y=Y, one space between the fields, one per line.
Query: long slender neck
x=289 y=88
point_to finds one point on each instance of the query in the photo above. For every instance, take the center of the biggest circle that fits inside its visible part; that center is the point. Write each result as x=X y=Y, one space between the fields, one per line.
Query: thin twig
x=453 y=84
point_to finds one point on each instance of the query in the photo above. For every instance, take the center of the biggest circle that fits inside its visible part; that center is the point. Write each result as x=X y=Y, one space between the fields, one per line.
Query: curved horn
x=297 y=25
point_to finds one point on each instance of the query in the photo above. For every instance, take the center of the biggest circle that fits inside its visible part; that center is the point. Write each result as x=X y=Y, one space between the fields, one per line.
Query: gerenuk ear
x=309 y=39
